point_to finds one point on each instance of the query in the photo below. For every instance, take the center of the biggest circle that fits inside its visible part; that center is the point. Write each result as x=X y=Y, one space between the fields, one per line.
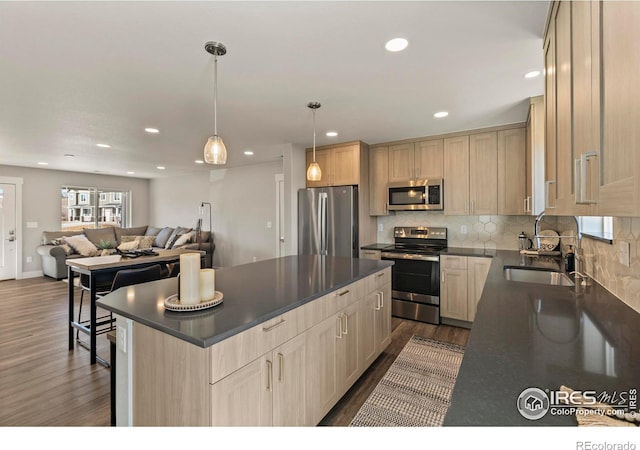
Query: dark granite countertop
x=253 y=293
x=533 y=335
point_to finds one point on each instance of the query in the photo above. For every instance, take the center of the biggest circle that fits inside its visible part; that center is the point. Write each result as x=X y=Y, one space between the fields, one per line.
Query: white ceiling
x=74 y=74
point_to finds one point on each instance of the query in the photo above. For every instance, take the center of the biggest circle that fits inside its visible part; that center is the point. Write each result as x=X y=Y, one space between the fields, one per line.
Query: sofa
x=58 y=246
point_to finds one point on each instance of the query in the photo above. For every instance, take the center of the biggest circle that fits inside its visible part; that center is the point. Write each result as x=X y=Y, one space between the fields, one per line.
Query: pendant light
x=313 y=172
x=215 y=151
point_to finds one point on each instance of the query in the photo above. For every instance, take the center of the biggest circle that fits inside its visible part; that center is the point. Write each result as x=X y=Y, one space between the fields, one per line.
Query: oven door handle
x=385 y=255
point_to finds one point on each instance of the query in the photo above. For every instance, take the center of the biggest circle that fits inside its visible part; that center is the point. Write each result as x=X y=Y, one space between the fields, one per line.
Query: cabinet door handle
x=584 y=158
x=345 y=292
x=269 y=375
x=282 y=320
x=524 y=206
x=442 y=277
x=339 y=333
x=377 y=308
x=473 y=206
x=380 y=274
x=466 y=205
x=381 y=299
x=346 y=324
x=281 y=369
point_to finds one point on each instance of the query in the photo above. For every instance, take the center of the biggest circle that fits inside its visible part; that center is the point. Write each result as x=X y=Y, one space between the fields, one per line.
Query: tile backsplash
x=490 y=232
x=601 y=260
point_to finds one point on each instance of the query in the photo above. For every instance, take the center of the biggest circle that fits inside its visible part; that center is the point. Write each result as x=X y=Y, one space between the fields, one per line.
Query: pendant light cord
x=314 y=135
x=215 y=95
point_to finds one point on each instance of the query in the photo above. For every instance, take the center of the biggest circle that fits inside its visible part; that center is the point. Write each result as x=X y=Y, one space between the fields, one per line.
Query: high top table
x=99 y=265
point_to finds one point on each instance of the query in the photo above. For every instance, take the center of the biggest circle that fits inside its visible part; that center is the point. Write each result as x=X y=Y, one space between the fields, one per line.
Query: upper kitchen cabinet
x=592 y=60
x=512 y=189
x=416 y=160
x=619 y=183
x=470 y=174
x=340 y=165
x=378 y=180
x=534 y=159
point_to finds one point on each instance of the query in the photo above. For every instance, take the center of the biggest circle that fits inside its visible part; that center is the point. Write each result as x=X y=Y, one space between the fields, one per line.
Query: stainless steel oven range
x=415 y=281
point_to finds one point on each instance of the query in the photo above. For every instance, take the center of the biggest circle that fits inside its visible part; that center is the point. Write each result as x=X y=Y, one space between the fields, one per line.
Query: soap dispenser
x=570 y=260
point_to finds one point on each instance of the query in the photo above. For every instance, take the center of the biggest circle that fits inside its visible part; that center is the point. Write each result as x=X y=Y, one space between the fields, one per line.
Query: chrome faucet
x=578 y=238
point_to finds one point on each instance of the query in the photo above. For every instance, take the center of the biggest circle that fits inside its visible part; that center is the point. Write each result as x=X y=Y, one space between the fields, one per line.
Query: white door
x=280 y=245
x=8 y=255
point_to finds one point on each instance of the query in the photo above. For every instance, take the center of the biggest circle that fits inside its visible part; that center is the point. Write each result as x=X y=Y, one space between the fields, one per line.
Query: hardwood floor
x=42 y=383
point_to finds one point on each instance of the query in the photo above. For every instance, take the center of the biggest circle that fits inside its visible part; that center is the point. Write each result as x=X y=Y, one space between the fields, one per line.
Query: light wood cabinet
x=416 y=160
x=462 y=280
x=378 y=181
x=375 y=319
x=592 y=59
x=619 y=186
x=370 y=254
x=483 y=174
x=512 y=153
x=349 y=363
x=534 y=159
x=453 y=287
x=289 y=374
x=456 y=175
x=471 y=174
x=477 y=272
x=340 y=166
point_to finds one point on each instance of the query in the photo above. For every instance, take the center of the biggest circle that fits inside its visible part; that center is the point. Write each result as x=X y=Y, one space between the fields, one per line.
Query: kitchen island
x=290 y=338
x=529 y=335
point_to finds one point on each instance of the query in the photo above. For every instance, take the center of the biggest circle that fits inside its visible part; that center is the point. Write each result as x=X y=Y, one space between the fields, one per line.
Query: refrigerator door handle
x=323 y=223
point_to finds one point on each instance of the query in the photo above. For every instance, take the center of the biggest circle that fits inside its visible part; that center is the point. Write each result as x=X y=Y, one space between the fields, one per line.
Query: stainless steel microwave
x=416 y=195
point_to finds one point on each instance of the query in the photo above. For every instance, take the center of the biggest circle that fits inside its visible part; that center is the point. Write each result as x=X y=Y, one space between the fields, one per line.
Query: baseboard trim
x=32 y=274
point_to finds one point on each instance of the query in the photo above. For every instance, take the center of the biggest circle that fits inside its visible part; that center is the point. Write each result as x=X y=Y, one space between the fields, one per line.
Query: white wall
x=41 y=202
x=175 y=201
x=244 y=200
x=294 y=179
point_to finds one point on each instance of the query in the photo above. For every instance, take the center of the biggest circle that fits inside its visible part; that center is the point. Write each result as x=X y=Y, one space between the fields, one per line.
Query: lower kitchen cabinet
x=268 y=391
x=375 y=320
x=461 y=283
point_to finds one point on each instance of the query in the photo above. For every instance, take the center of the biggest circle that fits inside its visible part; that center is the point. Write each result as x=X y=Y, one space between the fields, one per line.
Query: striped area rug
x=416 y=390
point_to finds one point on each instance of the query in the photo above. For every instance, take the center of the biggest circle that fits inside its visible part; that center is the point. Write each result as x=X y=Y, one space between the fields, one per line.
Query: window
x=79 y=208
x=597 y=227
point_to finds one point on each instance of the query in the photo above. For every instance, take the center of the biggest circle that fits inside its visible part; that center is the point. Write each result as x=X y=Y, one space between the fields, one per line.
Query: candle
x=190 y=278
x=207 y=284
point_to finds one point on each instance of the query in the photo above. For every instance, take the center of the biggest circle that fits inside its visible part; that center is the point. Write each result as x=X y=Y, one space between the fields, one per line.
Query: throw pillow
x=135 y=231
x=174 y=236
x=185 y=239
x=60 y=242
x=152 y=231
x=126 y=246
x=82 y=245
x=146 y=241
x=163 y=237
x=100 y=234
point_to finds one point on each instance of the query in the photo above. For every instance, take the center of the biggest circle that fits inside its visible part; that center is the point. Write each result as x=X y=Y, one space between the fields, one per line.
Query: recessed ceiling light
x=332 y=133
x=42 y=163
x=160 y=167
x=130 y=173
x=441 y=114
x=396 y=45
x=248 y=152
x=103 y=145
x=199 y=161
x=152 y=130
x=532 y=74
x=69 y=155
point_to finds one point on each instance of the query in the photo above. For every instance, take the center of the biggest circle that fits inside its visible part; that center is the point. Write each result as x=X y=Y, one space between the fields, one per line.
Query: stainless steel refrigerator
x=328 y=221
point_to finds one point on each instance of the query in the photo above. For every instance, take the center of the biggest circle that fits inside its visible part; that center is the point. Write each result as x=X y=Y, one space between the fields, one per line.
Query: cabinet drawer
x=370 y=254
x=377 y=280
x=347 y=295
x=453 y=262
x=237 y=351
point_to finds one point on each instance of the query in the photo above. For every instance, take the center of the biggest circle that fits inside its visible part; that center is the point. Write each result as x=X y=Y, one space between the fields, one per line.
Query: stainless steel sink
x=537 y=276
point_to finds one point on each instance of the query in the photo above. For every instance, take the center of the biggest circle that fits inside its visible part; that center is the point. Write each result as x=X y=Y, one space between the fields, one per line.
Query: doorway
x=8 y=232
x=280 y=238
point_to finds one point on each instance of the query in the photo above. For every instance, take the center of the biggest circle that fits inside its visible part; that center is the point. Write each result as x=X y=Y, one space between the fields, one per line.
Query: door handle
x=269 y=375
x=281 y=369
x=377 y=308
x=381 y=299
x=442 y=277
x=339 y=334
x=547 y=190
x=346 y=324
